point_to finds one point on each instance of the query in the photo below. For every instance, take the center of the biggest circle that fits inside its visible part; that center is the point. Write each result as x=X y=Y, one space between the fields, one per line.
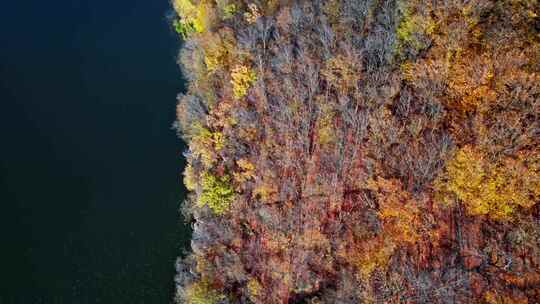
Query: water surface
x=90 y=183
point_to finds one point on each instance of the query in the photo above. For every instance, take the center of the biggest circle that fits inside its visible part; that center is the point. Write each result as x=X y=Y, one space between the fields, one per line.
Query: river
x=90 y=168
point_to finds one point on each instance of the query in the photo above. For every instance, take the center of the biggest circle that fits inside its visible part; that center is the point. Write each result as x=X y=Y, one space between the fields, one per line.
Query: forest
x=360 y=151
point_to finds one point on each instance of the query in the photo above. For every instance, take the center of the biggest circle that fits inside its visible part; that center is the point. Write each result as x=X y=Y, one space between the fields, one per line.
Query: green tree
x=217 y=192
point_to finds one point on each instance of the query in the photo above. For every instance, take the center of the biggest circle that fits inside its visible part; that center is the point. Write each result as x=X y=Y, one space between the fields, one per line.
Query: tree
x=217 y=193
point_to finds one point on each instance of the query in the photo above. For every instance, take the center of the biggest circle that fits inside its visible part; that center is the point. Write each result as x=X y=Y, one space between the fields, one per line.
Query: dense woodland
x=361 y=151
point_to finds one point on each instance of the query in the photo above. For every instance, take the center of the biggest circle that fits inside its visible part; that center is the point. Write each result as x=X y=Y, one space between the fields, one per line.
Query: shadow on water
x=90 y=169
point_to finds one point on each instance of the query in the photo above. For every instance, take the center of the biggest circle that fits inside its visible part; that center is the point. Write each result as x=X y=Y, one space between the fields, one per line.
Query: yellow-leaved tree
x=242 y=78
x=217 y=192
x=493 y=189
x=200 y=292
x=194 y=16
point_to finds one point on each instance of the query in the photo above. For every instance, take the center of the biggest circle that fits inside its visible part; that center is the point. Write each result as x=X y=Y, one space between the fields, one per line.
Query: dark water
x=90 y=183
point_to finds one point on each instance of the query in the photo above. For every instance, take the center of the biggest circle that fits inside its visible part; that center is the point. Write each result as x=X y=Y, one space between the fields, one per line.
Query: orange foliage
x=397 y=209
x=494 y=297
x=247 y=171
x=368 y=255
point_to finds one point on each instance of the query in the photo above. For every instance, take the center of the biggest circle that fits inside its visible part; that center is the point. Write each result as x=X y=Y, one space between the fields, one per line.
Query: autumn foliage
x=348 y=151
